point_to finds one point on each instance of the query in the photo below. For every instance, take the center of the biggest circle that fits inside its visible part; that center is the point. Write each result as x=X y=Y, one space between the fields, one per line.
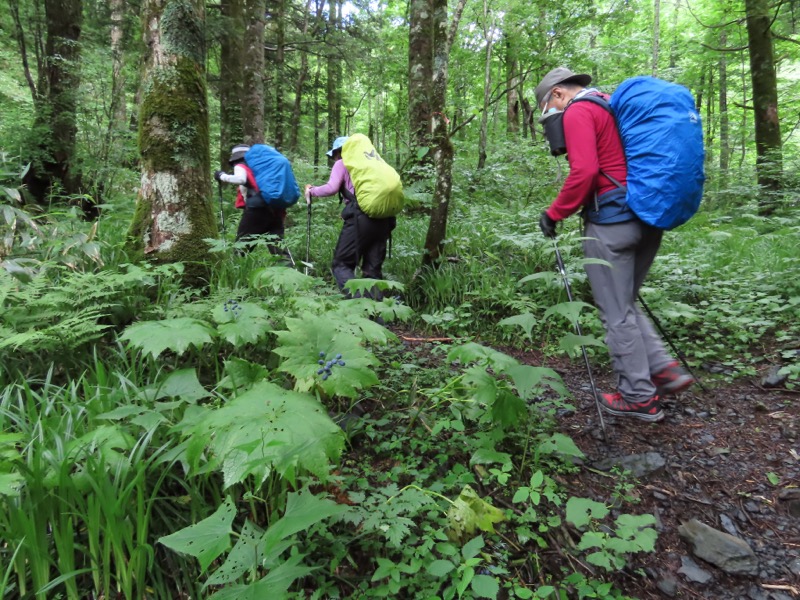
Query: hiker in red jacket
x=256 y=221
x=645 y=371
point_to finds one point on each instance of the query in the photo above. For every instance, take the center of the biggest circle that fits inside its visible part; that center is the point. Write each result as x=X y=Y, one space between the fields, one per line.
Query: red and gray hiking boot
x=649 y=410
x=672 y=379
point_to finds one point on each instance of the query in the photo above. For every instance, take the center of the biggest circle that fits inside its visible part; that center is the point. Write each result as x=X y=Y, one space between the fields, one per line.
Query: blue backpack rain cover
x=274 y=176
x=662 y=135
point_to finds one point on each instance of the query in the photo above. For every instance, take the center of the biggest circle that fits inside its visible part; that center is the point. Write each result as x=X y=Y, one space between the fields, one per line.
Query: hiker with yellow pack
x=373 y=195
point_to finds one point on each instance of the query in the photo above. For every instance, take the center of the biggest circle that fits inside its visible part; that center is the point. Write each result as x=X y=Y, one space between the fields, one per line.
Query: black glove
x=218 y=175
x=547 y=225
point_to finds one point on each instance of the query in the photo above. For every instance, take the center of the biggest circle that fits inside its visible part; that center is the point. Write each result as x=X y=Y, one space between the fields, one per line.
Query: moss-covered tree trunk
x=253 y=91
x=53 y=169
x=174 y=212
x=231 y=78
x=420 y=76
x=765 y=99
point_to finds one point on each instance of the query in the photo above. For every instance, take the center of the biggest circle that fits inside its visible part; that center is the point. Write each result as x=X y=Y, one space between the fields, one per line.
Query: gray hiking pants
x=636 y=349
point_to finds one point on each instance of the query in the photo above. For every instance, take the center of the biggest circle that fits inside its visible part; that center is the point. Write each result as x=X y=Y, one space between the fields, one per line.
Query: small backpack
x=276 y=185
x=379 y=191
x=662 y=135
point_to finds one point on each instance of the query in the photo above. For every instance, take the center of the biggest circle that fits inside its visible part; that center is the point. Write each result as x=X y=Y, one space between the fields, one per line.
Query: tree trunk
x=442 y=146
x=278 y=84
x=253 y=81
x=231 y=76
x=420 y=75
x=174 y=210
x=487 y=83
x=332 y=86
x=302 y=75
x=656 y=36
x=765 y=99
x=512 y=83
x=55 y=120
x=724 y=126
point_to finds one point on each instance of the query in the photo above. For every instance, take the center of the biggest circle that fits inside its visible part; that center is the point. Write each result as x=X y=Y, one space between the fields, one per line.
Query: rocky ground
x=720 y=473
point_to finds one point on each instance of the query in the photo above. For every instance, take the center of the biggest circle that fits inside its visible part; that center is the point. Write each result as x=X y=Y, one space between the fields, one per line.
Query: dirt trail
x=731 y=462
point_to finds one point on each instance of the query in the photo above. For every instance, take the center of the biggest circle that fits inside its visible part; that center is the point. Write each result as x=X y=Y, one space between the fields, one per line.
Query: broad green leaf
x=485 y=586
x=440 y=568
x=240 y=373
x=570 y=341
x=176 y=335
x=358 y=287
x=205 y=540
x=246 y=556
x=470 y=513
x=570 y=310
x=273 y=587
x=487 y=456
x=508 y=409
x=182 y=384
x=525 y=321
x=549 y=277
x=472 y=547
x=303 y=509
x=266 y=427
x=472 y=352
x=531 y=381
x=11 y=484
x=310 y=340
x=282 y=279
x=242 y=323
x=483 y=384
x=581 y=511
x=558 y=443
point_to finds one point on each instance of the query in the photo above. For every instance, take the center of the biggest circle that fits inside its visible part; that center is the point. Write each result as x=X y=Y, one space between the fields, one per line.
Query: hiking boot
x=649 y=410
x=672 y=379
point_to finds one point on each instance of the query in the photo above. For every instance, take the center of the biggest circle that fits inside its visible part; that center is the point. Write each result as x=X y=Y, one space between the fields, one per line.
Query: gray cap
x=557 y=76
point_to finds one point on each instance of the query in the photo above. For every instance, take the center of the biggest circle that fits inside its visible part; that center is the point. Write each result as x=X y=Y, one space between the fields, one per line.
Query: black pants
x=362 y=239
x=260 y=221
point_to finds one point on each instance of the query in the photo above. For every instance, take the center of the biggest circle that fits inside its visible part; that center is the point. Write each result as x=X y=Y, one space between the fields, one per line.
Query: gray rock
x=728 y=524
x=794 y=566
x=668 y=586
x=773 y=378
x=640 y=465
x=731 y=554
x=692 y=571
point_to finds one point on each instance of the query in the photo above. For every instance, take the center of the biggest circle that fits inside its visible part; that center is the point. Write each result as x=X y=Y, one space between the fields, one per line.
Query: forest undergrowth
x=263 y=437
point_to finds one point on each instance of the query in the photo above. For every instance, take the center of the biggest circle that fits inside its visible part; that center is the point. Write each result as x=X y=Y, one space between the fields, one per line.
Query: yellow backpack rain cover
x=379 y=190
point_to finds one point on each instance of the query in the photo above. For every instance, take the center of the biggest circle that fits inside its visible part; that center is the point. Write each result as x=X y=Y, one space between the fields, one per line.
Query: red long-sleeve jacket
x=593 y=144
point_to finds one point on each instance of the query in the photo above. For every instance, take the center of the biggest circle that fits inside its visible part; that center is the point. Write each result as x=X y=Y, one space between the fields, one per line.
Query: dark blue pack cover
x=662 y=134
x=274 y=176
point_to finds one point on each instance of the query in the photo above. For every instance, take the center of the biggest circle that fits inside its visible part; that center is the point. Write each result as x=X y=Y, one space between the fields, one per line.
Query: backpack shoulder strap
x=595 y=98
x=251 y=179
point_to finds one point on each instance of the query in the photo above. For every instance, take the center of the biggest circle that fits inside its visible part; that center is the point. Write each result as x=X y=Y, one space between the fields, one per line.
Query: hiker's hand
x=308 y=193
x=218 y=175
x=547 y=225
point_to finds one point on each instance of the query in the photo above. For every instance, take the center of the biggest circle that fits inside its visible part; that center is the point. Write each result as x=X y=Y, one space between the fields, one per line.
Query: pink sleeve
x=584 y=165
x=339 y=176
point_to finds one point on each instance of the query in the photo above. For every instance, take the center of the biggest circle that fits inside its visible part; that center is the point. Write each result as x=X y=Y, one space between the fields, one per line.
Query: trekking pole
x=664 y=335
x=221 y=211
x=308 y=229
x=563 y=272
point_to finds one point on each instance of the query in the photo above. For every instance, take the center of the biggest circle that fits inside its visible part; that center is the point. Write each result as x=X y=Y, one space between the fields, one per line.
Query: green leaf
x=773 y=478
x=440 y=568
x=472 y=352
x=521 y=495
x=265 y=427
x=508 y=409
x=525 y=321
x=570 y=310
x=488 y=456
x=240 y=373
x=246 y=556
x=570 y=342
x=282 y=279
x=485 y=586
x=176 y=335
x=183 y=384
x=581 y=511
x=245 y=324
x=531 y=381
x=301 y=346
x=11 y=484
x=472 y=547
x=470 y=513
x=303 y=509
x=205 y=540
x=558 y=443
